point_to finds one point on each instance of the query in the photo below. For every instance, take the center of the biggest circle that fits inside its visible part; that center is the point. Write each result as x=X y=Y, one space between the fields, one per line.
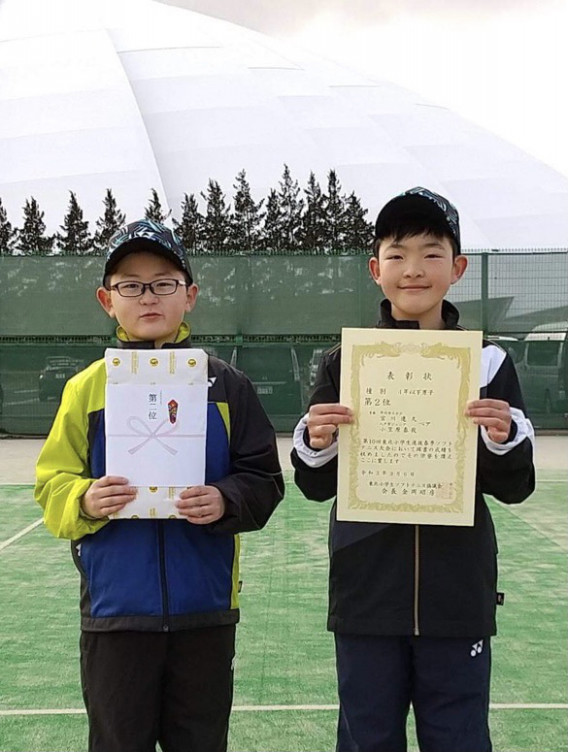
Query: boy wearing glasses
x=159 y=601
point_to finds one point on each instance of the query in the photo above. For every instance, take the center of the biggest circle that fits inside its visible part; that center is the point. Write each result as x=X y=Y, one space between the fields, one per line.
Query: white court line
x=19 y=535
x=45 y=711
x=270 y=708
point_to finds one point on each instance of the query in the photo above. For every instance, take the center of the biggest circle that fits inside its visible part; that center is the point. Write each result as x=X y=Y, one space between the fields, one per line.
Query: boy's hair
x=150 y=236
x=418 y=211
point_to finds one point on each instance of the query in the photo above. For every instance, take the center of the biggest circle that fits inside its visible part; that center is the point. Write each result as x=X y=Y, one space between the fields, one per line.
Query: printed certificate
x=155 y=424
x=410 y=455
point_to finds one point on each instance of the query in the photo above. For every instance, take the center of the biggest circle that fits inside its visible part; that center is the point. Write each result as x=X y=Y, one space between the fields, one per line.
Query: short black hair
x=415 y=212
x=410 y=224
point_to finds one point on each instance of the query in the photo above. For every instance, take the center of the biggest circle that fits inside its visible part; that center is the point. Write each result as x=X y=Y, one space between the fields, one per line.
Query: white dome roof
x=133 y=95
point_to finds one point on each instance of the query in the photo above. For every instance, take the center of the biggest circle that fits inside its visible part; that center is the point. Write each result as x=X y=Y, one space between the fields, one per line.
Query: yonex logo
x=476 y=648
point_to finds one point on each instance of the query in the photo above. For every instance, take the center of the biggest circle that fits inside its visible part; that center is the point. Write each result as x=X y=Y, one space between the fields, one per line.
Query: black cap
x=146 y=235
x=423 y=202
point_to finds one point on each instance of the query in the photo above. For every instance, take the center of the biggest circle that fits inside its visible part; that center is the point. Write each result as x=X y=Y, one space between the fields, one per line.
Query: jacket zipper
x=416 y=578
x=165 y=601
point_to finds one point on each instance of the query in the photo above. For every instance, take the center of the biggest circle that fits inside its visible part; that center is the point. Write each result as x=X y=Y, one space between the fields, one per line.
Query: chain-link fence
x=272 y=317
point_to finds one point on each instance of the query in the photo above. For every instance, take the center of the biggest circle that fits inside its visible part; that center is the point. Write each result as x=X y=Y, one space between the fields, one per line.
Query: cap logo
x=450 y=211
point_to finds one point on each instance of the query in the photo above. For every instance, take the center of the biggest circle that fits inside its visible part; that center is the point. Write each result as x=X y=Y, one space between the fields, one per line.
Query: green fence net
x=272 y=317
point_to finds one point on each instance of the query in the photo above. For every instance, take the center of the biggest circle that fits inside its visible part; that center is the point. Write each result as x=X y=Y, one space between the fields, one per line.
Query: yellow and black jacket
x=160 y=575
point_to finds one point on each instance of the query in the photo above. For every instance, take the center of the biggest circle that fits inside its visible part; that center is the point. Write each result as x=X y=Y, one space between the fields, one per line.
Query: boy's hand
x=201 y=504
x=323 y=421
x=106 y=496
x=495 y=415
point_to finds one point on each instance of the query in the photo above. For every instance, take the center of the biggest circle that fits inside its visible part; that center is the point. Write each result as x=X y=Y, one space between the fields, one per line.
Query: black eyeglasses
x=158 y=287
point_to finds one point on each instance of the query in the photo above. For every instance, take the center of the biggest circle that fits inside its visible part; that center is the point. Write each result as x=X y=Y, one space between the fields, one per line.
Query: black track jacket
x=437 y=581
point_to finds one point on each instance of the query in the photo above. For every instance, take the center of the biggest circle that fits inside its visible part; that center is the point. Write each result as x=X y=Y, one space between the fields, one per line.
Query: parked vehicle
x=543 y=368
x=515 y=347
x=54 y=374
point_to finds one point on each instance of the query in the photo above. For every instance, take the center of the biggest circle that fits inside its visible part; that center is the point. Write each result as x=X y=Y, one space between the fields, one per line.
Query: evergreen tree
x=31 y=237
x=190 y=228
x=112 y=220
x=74 y=238
x=216 y=226
x=272 y=228
x=358 y=232
x=313 y=231
x=334 y=214
x=154 y=209
x=290 y=206
x=7 y=233
x=244 y=228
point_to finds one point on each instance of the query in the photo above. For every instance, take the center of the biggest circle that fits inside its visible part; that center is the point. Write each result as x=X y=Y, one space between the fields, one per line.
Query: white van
x=543 y=368
x=512 y=345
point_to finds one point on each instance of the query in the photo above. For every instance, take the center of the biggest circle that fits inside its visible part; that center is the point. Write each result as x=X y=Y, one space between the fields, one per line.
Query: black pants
x=144 y=688
x=446 y=680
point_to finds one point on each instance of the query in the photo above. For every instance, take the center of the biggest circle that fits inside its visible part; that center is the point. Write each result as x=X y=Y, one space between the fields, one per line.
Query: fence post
x=484 y=292
x=242 y=277
x=360 y=292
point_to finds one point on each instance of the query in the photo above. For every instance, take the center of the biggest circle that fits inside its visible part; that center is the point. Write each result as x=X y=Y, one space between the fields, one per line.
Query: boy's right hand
x=323 y=421
x=106 y=496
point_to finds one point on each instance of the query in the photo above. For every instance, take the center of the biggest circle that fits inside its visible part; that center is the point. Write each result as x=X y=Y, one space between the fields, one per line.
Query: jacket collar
x=182 y=339
x=450 y=317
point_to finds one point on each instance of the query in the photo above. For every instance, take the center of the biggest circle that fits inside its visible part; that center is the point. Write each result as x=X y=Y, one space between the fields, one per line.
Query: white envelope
x=156 y=422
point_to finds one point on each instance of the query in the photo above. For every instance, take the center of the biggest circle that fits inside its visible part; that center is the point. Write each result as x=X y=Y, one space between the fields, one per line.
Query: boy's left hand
x=201 y=504
x=494 y=414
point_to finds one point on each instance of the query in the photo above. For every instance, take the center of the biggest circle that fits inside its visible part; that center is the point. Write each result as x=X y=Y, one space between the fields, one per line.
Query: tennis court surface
x=285 y=698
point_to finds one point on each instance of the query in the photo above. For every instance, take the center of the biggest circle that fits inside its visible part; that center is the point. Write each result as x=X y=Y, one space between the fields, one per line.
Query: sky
x=500 y=63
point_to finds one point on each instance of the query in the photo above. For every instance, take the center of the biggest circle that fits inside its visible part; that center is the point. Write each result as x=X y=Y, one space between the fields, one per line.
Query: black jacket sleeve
x=509 y=476
x=320 y=483
x=255 y=485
